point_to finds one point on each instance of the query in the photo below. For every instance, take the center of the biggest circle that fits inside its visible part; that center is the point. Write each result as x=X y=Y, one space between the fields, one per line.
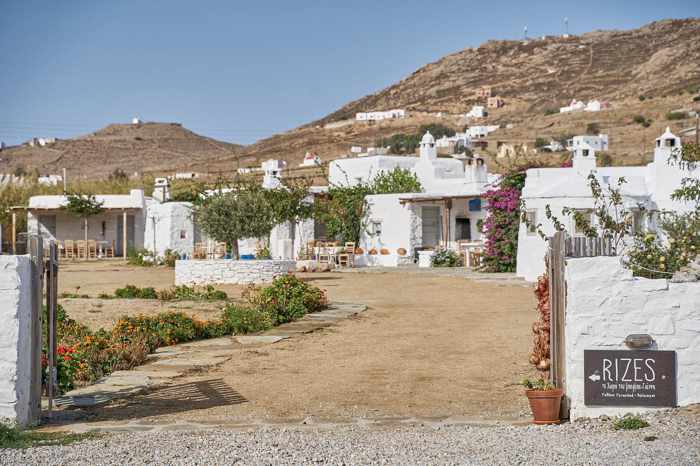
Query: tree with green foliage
x=83 y=206
x=186 y=191
x=243 y=212
x=438 y=130
x=343 y=210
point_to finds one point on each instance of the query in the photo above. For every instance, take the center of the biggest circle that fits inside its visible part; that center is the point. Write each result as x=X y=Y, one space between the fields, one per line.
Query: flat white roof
x=134 y=200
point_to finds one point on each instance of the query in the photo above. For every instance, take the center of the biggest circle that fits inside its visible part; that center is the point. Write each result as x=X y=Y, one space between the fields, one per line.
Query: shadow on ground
x=170 y=399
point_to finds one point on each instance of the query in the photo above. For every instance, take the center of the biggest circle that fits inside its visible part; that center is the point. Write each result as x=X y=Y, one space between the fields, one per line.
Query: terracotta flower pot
x=384 y=252
x=545 y=405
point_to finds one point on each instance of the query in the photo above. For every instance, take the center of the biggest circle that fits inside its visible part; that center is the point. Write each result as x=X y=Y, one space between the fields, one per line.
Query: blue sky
x=241 y=71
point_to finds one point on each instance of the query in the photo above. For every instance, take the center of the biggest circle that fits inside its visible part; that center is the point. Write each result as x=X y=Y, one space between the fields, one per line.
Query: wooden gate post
x=36 y=252
x=557 y=308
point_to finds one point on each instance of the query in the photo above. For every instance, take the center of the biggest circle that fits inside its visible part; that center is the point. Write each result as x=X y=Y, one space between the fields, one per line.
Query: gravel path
x=670 y=440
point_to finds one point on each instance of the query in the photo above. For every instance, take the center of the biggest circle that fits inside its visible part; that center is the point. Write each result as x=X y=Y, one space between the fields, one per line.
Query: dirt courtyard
x=428 y=346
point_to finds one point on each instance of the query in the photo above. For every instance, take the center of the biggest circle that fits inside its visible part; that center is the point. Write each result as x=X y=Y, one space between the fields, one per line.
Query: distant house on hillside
x=494 y=102
x=383 y=115
x=310 y=160
x=477 y=111
x=484 y=92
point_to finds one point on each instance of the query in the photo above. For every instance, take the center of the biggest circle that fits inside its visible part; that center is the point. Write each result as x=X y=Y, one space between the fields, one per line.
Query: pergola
x=123 y=211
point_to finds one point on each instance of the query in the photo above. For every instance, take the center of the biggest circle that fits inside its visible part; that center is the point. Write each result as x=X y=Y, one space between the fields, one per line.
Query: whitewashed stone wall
x=226 y=271
x=605 y=304
x=15 y=339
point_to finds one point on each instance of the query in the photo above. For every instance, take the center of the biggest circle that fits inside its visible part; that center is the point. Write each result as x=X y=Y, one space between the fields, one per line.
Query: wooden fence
x=561 y=247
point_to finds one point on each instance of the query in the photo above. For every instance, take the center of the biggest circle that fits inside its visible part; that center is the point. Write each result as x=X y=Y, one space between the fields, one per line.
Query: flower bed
x=85 y=356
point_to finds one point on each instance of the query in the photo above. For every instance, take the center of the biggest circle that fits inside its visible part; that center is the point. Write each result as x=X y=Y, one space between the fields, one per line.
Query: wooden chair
x=81 y=247
x=475 y=257
x=69 y=249
x=109 y=250
x=92 y=249
x=220 y=250
x=347 y=257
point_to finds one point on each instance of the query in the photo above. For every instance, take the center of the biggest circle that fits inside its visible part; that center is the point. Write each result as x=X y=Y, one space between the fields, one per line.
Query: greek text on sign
x=629 y=378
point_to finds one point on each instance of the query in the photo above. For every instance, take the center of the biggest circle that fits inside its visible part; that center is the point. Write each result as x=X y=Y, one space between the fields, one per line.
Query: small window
x=375 y=228
x=463 y=228
x=670 y=142
x=183 y=234
x=531 y=217
x=475 y=205
x=585 y=152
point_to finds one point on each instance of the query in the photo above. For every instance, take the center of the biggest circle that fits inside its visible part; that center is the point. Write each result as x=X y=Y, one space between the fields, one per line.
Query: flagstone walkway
x=168 y=363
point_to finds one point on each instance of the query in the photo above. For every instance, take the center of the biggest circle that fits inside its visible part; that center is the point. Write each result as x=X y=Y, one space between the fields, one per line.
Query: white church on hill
x=647 y=188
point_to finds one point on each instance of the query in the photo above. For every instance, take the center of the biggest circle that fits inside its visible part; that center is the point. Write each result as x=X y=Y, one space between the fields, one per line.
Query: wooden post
x=36 y=251
x=124 y=237
x=557 y=309
x=51 y=307
x=14 y=232
x=446 y=222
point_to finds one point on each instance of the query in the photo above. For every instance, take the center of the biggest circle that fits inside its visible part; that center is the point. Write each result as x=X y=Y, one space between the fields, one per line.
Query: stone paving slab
x=260 y=339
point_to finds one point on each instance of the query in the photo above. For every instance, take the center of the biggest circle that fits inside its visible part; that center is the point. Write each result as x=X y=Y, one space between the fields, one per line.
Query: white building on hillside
x=648 y=188
x=311 y=160
x=598 y=142
x=477 y=111
x=381 y=115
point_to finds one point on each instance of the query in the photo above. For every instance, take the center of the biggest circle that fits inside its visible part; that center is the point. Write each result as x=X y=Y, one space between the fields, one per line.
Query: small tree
x=244 y=212
x=83 y=206
x=398 y=180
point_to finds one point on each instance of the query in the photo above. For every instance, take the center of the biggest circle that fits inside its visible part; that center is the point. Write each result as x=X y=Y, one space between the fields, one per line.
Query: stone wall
x=15 y=339
x=220 y=271
x=605 y=304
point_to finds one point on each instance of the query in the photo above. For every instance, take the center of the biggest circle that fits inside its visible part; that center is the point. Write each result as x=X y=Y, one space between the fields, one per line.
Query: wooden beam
x=124 y=237
x=14 y=232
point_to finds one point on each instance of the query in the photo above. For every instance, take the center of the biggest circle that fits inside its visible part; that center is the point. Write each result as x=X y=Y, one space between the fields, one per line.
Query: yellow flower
x=662 y=258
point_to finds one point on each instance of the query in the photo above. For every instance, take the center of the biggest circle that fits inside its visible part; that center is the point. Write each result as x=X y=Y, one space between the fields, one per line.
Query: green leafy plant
x=642 y=120
x=83 y=206
x=241 y=319
x=537 y=384
x=593 y=128
x=446 y=258
x=540 y=142
x=14 y=438
x=134 y=292
x=676 y=115
x=630 y=422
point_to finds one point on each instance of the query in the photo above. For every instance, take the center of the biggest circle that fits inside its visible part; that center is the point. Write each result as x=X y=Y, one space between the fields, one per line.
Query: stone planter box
x=227 y=271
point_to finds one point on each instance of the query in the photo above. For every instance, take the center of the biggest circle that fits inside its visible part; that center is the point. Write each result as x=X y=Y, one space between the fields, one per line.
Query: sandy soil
x=428 y=346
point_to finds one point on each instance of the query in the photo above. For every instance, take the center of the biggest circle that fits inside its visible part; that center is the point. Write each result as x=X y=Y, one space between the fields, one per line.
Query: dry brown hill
x=142 y=148
x=659 y=61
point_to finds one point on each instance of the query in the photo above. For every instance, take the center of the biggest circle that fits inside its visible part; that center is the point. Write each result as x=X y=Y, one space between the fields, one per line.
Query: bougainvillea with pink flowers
x=502 y=223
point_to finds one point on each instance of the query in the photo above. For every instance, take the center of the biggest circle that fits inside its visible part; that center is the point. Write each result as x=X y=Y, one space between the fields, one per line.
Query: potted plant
x=545 y=400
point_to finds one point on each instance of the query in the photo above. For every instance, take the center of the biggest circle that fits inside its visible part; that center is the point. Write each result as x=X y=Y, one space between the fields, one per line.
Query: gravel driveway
x=672 y=439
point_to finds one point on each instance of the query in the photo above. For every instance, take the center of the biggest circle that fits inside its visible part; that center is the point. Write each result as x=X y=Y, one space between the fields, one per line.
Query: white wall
x=174 y=228
x=15 y=339
x=605 y=304
x=398 y=224
x=226 y=271
x=346 y=172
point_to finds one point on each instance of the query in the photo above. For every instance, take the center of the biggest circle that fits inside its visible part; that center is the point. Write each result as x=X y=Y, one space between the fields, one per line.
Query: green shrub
x=676 y=115
x=696 y=98
x=134 y=292
x=540 y=142
x=642 y=98
x=446 y=258
x=551 y=111
x=288 y=298
x=593 y=128
x=140 y=257
x=169 y=258
x=642 y=120
x=238 y=319
x=12 y=437
x=630 y=422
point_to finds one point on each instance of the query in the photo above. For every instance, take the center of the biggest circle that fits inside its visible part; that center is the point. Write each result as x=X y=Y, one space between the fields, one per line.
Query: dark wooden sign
x=629 y=378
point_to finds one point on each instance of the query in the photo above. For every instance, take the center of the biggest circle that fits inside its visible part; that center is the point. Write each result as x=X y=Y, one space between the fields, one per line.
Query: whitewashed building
x=598 y=142
x=121 y=224
x=381 y=115
x=477 y=111
x=445 y=214
x=311 y=160
x=648 y=188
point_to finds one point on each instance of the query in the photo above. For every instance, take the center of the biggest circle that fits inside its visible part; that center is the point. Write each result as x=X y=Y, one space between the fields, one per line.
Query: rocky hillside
x=660 y=62
x=643 y=73
x=142 y=148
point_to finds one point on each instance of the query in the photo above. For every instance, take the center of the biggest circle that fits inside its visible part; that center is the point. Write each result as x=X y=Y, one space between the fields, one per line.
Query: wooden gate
x=44 y=289
x=561 y=247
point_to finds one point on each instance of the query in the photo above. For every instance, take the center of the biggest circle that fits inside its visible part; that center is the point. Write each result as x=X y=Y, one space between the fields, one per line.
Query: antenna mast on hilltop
x=525 y=33
x=566 y=26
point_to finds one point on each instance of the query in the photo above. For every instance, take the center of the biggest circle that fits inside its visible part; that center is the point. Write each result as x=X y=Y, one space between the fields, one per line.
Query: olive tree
x=83 y=206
